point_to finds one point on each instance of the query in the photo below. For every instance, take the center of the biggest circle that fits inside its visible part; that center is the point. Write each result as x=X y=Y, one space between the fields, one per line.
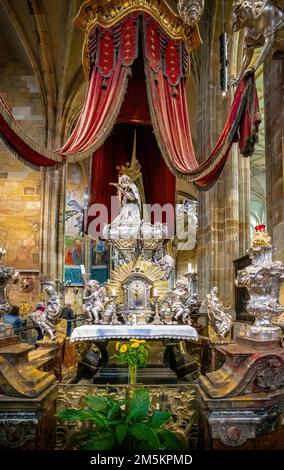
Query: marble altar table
x=166 y=349
x=148 y=331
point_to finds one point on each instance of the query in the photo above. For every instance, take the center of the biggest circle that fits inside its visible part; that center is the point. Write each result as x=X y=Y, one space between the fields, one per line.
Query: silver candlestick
x=157 y=319
x=114 y=319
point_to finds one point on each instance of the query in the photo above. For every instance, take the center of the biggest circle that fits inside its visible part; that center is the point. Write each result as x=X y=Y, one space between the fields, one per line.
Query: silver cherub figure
x=177 y=302
x=166 y=264
x=219 y=319
x=93 y=302
x=46 y=320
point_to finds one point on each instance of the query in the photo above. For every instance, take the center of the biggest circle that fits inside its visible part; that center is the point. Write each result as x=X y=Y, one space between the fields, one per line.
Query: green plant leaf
x=71 y=414
x=101 y=441
x=113 y=411
x=142 y=432
x=98 y=403
x=169 y=439
x=159 y=418
x=121 y=431
x=139 y=404
x=100 y=419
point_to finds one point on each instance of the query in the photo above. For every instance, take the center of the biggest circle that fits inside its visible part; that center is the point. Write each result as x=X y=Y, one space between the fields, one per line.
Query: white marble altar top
x=101 y=332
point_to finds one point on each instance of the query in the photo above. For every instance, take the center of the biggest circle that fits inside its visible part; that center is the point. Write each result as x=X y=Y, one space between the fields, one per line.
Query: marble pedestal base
x=248 y=422
x=28 y=423
x=18 y=377
x=241 y=404
x=251 y=366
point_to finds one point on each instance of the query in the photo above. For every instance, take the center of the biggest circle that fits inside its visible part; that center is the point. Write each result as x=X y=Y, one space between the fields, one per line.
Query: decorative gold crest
x=261 y=239
x=149 y=269
x=106 y=13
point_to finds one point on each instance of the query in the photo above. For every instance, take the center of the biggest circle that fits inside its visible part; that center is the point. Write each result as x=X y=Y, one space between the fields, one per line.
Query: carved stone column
x=223 y=219
x=274 y=128
x=53 y=202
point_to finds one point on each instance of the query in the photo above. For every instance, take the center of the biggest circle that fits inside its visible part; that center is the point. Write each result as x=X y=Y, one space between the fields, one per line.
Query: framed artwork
x=99 y=261
x=73 y=217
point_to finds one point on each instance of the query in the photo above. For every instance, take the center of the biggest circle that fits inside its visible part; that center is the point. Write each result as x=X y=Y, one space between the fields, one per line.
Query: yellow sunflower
x=123 y=348
x=117 y=346
x=135 y=345
x=140 y=341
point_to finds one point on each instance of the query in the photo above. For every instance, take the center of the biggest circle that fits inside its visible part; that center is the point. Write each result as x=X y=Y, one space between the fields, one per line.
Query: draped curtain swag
x=112 y=53
x=21 y=145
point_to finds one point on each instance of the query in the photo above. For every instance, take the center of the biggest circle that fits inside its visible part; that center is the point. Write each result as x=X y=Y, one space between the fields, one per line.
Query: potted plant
x=123 y=425
x=134 y=354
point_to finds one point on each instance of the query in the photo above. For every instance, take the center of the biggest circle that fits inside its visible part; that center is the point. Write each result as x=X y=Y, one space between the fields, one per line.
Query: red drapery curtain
x=166 y=69
x=21 y=145
x=159 y=182
x=112 y=52
x=115 y=151
x=135 y=108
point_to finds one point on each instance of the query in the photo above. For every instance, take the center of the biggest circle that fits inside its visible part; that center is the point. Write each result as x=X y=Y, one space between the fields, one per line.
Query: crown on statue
x=133 y=171
x=261 y=237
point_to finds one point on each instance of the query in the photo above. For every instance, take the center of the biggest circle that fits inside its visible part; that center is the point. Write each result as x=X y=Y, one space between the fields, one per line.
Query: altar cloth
x=101 y=332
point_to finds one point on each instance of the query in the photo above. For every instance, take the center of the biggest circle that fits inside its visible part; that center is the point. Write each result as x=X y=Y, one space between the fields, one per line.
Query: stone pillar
x=224 y=209
x=274 y=136
x=52 y=226
x=274 y=129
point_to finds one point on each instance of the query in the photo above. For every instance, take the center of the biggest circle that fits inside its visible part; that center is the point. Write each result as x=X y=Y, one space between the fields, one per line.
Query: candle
x=155 y=293
x=113 y=292
x=83 y=271
x=189 y=268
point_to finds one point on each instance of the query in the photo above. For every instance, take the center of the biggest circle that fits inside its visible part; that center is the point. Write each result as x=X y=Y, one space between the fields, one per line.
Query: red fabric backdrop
x=135 y=107
x=114 y=152
x=159 y=182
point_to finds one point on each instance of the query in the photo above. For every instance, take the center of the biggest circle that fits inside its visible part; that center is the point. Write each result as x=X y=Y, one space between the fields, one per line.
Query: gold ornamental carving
x=142 y=266
x=106 y=13
x=178 y=399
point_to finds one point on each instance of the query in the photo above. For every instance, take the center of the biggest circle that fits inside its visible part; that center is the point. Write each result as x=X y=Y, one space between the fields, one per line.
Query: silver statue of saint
x=219 y=319
x=130 y=202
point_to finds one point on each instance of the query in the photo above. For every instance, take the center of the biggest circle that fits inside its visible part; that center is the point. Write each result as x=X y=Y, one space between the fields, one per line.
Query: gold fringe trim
x=28 y=140
x=31 y=165
x=107 y=127
x=205 y=168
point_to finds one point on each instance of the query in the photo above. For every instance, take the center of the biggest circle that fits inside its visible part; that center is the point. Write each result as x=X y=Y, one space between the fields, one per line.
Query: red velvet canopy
x=113 y=51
